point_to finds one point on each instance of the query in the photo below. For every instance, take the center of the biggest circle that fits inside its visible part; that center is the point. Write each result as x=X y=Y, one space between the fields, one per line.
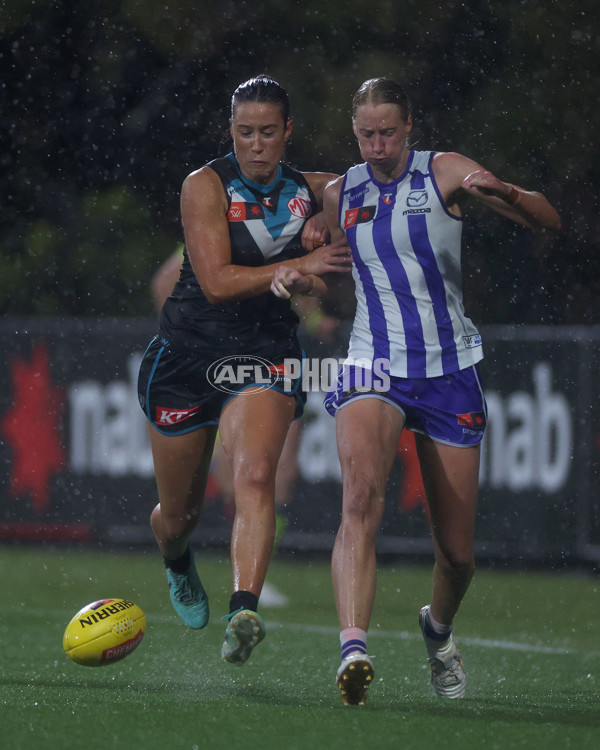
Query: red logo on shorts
x=278 y=369
x=475 y=420
x=173 y=416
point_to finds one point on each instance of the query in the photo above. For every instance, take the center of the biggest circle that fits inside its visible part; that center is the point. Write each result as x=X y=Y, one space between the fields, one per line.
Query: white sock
x=353 y=639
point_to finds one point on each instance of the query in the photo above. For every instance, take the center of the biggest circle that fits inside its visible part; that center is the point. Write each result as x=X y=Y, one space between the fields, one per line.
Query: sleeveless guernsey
x=265 y=227
x=406 y=248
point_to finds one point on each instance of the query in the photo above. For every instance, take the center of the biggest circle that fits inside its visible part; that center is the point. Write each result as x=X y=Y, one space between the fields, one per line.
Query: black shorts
x=180 y=390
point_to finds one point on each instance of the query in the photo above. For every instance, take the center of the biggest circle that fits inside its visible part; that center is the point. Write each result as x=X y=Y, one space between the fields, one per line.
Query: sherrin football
x=104 y=632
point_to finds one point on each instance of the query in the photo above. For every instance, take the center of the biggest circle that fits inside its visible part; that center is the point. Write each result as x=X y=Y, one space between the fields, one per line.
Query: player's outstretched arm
x=459 y=177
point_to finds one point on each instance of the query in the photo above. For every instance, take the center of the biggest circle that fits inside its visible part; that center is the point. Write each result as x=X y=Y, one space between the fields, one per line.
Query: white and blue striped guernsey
x=406 y=248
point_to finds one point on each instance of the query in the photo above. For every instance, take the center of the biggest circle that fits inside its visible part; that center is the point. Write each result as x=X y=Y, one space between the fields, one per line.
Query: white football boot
x=448 y=676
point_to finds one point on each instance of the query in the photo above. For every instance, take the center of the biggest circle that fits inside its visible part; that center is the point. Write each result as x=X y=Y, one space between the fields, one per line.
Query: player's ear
x=288 y=129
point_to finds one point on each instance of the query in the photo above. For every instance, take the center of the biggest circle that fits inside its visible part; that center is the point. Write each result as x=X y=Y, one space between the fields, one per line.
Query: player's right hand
x=336 y=257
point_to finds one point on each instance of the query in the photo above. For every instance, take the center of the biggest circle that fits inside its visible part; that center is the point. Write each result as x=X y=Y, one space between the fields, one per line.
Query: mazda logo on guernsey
x=417 y=198
x=230 y=374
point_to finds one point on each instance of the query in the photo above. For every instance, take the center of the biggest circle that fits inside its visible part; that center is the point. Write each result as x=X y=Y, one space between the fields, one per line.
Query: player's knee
x=256 y=475
x=363 y=505
x=170 y=527
x=457 y=562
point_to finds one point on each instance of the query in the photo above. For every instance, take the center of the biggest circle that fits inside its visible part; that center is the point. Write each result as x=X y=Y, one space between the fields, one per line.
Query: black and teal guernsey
x=265 y=227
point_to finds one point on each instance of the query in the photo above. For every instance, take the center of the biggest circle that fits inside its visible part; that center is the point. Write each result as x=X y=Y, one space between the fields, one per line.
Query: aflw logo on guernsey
x=300 y=207
x=240 y=211
x=358 y=215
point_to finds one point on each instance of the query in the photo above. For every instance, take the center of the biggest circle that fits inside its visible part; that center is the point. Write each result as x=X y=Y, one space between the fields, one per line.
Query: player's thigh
x=368 y=430
x=253 y=427
x=451 y=479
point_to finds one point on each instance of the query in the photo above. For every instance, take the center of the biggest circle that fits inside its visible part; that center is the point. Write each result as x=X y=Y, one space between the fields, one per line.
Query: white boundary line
x=404 y=636
x=62 y=616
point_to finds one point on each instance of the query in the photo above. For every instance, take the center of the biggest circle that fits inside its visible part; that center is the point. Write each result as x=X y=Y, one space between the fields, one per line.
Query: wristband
x=513 y=197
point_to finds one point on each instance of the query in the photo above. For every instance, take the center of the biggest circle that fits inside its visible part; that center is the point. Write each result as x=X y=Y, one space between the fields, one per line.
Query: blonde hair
x=381 y=91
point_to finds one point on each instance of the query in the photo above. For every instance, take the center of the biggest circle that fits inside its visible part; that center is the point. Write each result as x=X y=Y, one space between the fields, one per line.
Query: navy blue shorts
x=180 y=391
x=449 y=409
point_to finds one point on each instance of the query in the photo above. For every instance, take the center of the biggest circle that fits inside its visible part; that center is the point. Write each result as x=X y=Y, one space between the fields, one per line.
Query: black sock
x=182 y=564
x=243 y=600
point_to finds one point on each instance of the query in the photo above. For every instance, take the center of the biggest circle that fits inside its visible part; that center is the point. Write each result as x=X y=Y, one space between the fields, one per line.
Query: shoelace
x=449 y=675
x=229 y=615
x=186 y=593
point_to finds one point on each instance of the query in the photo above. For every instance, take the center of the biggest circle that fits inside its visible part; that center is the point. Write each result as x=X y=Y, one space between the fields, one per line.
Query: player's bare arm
x=459 y=177
x=288 y=280
x=315 y=232
x=317 y=182
x=204 y=217
x=286 y=283
x=331 y=202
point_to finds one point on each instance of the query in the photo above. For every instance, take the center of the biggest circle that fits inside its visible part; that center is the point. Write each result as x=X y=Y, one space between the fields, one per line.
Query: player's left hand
x=287 y=281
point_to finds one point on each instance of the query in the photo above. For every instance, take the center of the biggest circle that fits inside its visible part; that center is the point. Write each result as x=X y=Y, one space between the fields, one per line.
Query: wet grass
x=529 y=640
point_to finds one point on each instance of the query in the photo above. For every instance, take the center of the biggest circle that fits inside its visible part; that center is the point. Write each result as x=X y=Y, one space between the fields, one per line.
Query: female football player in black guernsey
x=243 y=215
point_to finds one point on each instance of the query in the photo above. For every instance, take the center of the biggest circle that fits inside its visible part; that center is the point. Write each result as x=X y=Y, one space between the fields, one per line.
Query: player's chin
x=261 y=171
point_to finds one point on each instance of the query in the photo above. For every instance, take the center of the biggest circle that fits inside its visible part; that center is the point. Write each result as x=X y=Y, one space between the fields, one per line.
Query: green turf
x=529 y=640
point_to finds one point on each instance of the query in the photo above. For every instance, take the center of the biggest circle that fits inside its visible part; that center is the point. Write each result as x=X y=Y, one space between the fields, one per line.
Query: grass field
x=530 y=644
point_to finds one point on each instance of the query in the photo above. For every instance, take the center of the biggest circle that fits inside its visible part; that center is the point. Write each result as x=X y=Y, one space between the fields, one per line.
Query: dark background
x=106 y=106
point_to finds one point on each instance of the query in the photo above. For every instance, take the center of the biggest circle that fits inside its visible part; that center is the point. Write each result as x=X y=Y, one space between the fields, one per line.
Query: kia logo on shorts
x=232 y=374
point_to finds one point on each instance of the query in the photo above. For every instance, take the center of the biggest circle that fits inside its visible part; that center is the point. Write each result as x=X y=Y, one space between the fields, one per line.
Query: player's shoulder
x=334 y=186
x=204 y=177
x=318 y=180
x=451 y=162
x=323 y=177
x=203 y=191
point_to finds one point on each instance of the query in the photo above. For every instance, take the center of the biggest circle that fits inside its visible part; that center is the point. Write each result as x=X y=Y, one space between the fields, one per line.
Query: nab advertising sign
x=77 y=464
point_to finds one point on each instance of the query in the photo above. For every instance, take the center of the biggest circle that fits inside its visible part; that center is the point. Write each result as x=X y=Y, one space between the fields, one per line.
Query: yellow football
x=104 y=632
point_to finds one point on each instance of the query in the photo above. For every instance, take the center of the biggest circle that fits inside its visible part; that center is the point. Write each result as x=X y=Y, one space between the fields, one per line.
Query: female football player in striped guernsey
x=412 y=362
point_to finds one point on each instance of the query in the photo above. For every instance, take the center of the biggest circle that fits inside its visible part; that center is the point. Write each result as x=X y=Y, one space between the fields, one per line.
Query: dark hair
x=381 y=91
x=262 y=89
